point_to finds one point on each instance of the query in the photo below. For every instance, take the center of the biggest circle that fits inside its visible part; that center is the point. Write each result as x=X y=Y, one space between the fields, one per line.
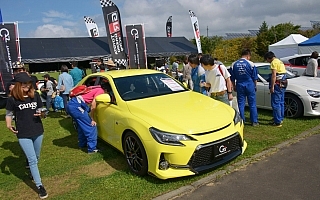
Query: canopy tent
x=50 y=50
x=311 y=45
x=288 y=46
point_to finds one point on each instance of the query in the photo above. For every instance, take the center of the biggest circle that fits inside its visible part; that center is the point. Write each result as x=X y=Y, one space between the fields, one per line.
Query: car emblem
x=223 y=149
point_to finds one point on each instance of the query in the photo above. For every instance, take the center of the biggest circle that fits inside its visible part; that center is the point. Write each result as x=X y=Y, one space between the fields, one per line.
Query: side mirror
x=103 y=98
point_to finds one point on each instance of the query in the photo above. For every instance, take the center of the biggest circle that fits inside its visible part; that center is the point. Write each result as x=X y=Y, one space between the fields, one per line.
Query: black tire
x=135 y=154
x=293 y=106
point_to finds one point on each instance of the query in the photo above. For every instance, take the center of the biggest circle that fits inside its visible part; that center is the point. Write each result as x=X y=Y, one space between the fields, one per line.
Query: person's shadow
x=71 y=140
x=15 y=164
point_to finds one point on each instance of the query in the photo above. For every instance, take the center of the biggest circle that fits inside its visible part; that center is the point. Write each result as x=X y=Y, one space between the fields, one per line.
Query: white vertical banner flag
x=196 y=29
x=91 y=27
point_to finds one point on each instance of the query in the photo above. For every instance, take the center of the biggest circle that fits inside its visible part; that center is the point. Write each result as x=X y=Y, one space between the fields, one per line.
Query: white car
x=298 y=62
x=302 y=97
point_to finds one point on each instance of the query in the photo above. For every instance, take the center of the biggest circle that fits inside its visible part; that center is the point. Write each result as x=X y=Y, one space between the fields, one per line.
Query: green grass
x=54 y=74
x=69 y=173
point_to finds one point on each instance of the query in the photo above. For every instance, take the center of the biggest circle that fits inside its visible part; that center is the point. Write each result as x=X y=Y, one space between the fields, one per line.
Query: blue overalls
x=87 y=134
x=197 y=77
x=277 y=99
x=245 y=74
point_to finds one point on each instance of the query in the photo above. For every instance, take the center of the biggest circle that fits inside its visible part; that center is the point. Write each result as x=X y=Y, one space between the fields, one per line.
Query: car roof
x=127 y=72
x=258 y=64
x=295 y=56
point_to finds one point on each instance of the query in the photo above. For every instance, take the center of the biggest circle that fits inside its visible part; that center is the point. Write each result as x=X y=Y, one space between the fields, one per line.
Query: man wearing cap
x=49 y=89
x=110 y=65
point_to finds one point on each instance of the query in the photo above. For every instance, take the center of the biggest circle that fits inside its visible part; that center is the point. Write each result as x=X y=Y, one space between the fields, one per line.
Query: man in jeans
x=277 y=86
x=49 y=89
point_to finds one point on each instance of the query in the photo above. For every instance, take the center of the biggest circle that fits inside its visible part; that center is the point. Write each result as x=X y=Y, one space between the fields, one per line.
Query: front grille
x=206 y=156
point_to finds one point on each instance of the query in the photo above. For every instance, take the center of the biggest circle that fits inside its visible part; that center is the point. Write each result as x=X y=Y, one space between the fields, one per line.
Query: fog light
x=314 y=105
x=163 y=165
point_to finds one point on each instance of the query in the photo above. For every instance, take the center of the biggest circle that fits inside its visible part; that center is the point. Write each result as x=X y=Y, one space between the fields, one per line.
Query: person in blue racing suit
x=244 y=79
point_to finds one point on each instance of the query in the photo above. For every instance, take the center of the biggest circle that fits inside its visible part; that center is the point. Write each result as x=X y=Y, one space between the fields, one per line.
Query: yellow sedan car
x=161 y=127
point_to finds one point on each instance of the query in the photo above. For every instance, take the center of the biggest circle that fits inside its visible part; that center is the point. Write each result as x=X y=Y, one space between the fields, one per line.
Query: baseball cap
x=22 y=77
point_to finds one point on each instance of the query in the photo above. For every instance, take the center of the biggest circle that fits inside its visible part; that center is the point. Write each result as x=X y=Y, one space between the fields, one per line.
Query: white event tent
x=288 y=46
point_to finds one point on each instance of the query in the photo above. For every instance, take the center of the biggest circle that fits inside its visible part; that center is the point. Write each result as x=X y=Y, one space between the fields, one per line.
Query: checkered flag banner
x=88 y=20
x=112 y=20
x=121 y=61
x=106 y=3
x=196 y=29
x=92 y=27
x=192 y=13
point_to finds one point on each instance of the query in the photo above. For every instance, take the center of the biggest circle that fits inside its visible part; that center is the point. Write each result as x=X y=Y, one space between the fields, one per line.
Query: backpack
x=58 y=103
x=80 y=90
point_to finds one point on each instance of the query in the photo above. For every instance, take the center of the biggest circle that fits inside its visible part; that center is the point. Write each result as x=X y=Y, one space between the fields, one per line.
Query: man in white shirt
x=218 y=79
x=312 y=67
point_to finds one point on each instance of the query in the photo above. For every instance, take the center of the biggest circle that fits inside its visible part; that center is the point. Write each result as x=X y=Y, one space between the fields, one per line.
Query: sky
x=64 y=18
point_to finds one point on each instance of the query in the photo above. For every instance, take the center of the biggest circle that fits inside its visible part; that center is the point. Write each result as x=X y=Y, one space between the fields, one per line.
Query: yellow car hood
x=185 y=112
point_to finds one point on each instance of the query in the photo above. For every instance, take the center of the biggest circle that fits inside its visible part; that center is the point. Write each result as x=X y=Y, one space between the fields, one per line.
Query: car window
x=300 y=61
x=265 y=73
x=91 y=81
x=105 y=84
x=147 y=85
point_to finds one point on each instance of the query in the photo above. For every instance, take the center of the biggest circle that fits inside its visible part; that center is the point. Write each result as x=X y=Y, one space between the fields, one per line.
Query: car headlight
x=168 y=138
x=313 y=93
x=237 y=118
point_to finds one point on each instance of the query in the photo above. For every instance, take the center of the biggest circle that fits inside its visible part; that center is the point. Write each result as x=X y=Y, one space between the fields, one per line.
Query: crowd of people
x=208 y=76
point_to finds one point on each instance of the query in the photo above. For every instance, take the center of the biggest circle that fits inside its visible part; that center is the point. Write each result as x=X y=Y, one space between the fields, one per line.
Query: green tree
x=208 y=44
x=262 y=39
x=311 y=32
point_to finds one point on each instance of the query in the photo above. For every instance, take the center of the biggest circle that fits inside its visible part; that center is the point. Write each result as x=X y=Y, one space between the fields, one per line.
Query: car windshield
x=147 y=85
x=265 y=72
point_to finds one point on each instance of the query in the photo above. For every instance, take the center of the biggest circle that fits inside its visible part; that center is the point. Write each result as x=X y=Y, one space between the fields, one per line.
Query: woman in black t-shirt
x=25 y=104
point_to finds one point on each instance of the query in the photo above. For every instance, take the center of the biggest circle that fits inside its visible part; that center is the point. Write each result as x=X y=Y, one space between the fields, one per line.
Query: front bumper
x=196 y=156
x=311 y=106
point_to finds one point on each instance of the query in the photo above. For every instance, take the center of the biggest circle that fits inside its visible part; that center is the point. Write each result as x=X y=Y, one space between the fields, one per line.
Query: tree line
x=230 y=50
